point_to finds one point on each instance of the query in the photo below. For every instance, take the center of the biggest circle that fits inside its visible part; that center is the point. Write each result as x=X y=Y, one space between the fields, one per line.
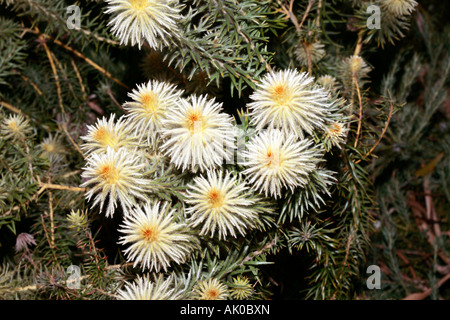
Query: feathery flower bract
x=289 y=101
x=274 y=160
x=24 y=241
x=241 y=289
x=135 y=21
x=155 y=239
x=116 y=174
x=328 y=82
x=211 y=289
x=399 y=7
x=315 y=50
x=108 y=134
x=220 y=203
x=198 y=135
x=151 y=102
x=77 y=219
x=354 y=67
x=335 y=133
x=53 y=148
x=15 y=127
x=143 y=288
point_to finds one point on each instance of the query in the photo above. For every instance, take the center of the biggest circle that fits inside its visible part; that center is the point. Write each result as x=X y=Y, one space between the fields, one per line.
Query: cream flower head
x=151 y=103
x=211 y=289
x=53 y=148
x=117 y=175
x=154 y=238
x=143 y=288
x=138 y=20
x=198 y=135
x=399 y=7
x=289 y=101
x=354 y=66
x=15 y=127
x=220 y=203
x=274 y=161
x=335 y=133
x=108 y=133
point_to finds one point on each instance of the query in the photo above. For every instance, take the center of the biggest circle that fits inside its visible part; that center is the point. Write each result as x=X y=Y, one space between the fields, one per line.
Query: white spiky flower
x=220 y=203
x=151 y=102
x=274 y=161
x=399 y=7
x=154 y=238
x=116 y=175
x=144 y=288
x=211 y=289
x=15 y=127
x=108 y=133
x=198 y=135
x=289 y=101
x=136 y=21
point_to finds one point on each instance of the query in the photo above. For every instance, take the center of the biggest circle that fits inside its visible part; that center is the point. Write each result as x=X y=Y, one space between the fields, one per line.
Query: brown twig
x=61 y=187
x=78 y=54
x=80 y=80
x=347 y=247
x=76 y=146
x=426 y=293
x=52 y=224
x=54 y=71
x=359 y=44
x=258 y=252
x=27 y=80
x=17 y=207
x=308 y=8
x=358 y=131
x=111 y=95
x=13 y=109
x=90 y=62
x=48 y=239
x=86 y=276
x=391 y=110
x=408 y=263
x=290 y=14
x=308 y=55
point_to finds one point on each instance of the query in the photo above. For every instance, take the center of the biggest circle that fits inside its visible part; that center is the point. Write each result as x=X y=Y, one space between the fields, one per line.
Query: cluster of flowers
x=195 y=135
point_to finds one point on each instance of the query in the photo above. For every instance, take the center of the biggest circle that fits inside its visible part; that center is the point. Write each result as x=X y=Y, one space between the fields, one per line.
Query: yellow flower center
x=49 y=147
x=105 y=138
x=150 y=233
x=109 y=173
x=139 y=4
x=211 y=294
x=194 y=122
x=13 y=126
x=281 y=95
x=150 y=102
x=336 y=128
x=215 y=198
x=356 y=64
x=272 y=159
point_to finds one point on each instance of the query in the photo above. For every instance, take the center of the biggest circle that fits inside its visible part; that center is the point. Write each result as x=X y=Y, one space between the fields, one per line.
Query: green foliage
x=362 y=206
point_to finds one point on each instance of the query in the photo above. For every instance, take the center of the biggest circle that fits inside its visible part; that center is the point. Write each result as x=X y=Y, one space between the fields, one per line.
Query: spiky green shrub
x=201 y=149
